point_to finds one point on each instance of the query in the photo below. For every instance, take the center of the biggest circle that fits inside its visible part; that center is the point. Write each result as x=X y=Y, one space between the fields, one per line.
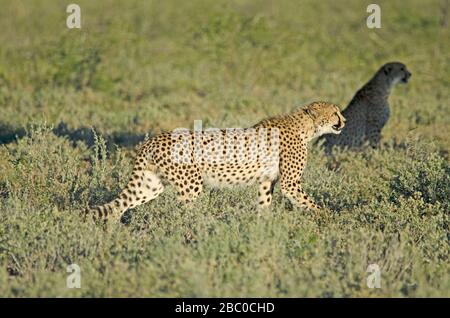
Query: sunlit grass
x=75 y=103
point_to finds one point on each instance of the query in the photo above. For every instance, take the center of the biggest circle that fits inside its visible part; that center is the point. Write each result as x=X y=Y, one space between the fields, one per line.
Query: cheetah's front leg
x=294 y=192
x=291 y=170
x=373 y=136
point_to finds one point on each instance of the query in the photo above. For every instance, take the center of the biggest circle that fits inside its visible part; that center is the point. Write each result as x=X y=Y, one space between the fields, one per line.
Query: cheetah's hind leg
x=144 y=185
x=188 y=182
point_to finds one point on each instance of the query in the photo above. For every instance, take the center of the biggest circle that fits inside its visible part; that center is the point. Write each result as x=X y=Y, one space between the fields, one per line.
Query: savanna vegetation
x=74 y=103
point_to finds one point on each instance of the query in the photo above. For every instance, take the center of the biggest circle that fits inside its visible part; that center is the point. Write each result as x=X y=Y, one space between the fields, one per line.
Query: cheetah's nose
x=340 y=124
x=342 y=121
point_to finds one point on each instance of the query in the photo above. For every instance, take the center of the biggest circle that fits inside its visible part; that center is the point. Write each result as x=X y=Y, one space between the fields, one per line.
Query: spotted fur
x=368 y=111
x=275 y=148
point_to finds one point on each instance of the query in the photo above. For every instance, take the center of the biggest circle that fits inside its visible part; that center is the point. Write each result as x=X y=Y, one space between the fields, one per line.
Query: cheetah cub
x=368 y=111
x=275 y=148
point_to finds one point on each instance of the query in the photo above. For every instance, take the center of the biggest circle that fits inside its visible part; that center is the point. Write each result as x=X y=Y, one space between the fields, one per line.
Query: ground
x=75 y=103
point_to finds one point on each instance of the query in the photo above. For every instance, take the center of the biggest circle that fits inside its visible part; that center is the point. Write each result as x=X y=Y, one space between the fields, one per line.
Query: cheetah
x=275 y=148
x=368 y=111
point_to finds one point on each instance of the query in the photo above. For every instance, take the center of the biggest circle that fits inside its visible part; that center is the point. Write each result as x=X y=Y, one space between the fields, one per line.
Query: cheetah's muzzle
x=405 y=78
x=338 y=127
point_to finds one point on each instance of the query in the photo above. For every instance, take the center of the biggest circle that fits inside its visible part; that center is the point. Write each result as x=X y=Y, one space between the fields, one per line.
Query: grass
x=74 y=104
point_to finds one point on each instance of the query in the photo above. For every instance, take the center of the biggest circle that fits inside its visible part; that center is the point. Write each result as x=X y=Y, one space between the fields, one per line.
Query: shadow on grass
x=9 y=134
x=86 y=135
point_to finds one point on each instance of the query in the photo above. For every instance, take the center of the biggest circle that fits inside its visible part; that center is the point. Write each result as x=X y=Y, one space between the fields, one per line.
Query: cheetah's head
x=395 y=72
x=326 y=117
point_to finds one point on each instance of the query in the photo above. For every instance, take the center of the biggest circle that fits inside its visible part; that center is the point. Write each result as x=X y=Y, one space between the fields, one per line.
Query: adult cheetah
x=275 y=148
x=368 y=111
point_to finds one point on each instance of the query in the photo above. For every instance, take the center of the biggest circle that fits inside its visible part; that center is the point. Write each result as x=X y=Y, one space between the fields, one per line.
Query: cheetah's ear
x=312 y=111
x=387 y=70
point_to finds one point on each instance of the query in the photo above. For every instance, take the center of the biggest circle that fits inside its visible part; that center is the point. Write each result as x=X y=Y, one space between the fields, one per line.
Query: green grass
x=74 y=103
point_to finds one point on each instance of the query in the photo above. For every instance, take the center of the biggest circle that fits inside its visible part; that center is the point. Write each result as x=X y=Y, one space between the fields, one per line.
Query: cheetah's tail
x=105 y=211
x=144 y=185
